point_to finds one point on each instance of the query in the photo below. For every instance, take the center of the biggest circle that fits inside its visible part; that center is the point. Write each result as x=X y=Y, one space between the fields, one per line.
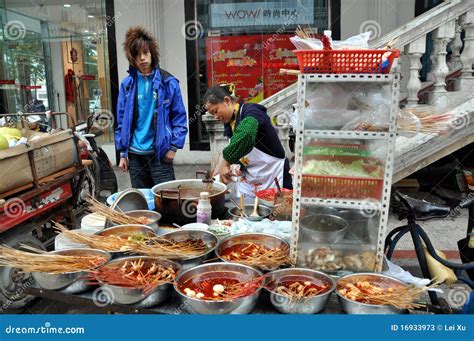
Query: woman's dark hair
x=217 y=93
x=137 y=38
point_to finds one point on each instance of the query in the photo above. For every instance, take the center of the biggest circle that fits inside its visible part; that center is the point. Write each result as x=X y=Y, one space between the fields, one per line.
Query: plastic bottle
x=204 y=209
x=328 y=34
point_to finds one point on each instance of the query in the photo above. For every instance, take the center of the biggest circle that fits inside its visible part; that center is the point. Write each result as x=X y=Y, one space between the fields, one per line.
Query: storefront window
x=53 y=57
x=246 y=43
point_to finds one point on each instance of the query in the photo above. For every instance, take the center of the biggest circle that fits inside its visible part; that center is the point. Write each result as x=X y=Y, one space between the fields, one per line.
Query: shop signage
x=262 y=13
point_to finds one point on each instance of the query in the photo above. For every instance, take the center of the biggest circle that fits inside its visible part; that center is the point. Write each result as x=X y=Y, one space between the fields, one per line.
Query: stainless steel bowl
x=353 y=307
x=130 y=200
x=268 y=240
x=125 y=231
x=324 y=228
x=262 y=211
x=210 y=239
x=124 y=295
x=70 y=282
x=242 y=305
x=306 y=306
x=152 y=216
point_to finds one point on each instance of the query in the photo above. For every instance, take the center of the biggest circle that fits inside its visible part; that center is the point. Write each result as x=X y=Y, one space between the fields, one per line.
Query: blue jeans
x=147 y=171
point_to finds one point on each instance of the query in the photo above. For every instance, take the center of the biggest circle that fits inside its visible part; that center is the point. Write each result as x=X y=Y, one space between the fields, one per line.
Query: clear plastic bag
x=360 y=41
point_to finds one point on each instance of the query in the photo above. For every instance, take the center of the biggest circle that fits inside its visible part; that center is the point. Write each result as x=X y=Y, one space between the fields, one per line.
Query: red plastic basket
x=344 y=61
x=329 y=186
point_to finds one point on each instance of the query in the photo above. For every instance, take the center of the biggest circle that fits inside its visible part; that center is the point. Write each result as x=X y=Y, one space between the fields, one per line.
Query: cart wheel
x=12 y=281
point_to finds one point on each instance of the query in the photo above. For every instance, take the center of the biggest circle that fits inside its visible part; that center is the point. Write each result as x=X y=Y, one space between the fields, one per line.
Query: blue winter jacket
x=170 y=120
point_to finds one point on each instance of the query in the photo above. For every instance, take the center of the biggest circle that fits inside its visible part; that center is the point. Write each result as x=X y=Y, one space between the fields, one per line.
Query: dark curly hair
x=136 y=38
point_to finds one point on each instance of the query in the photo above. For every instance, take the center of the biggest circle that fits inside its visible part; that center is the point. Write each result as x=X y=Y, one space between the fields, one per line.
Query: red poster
x=236 y=60
x=277 y=54
x=252 y=63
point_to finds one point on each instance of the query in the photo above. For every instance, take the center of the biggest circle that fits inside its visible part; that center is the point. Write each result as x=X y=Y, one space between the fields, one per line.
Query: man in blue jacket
x=151 y=118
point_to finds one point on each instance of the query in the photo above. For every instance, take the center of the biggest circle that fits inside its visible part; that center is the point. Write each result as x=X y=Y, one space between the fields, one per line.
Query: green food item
x=330 y=151
x=218 y=229
x=359 y=168
x=138 y=237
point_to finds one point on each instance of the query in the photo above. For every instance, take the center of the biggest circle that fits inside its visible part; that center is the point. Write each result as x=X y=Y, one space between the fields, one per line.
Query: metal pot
x=178 y=207
x=324 y=228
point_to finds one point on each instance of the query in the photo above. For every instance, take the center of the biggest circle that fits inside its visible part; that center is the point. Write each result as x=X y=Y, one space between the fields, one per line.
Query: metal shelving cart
x=320 y=199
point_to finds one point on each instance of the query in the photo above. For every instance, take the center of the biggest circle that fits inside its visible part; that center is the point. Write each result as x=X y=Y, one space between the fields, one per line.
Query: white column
x=215 y=129
x=442 y=36
x=414 y=51
x=456 y=46
x=467 y=57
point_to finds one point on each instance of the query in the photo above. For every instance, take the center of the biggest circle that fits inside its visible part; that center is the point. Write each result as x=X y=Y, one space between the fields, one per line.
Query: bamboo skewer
x=45 y=262
x=401 y=298
x=117 y=217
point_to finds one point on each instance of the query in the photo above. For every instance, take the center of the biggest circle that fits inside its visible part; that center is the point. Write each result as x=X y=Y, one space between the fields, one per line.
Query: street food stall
x=316 y=249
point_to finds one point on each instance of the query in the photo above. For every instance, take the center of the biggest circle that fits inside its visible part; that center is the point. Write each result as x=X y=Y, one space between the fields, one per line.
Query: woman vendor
x=254 y=142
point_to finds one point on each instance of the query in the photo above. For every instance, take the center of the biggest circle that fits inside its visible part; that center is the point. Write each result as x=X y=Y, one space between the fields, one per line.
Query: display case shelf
x=364 y=205
x=348 y=77
x=369 y=215
x=341 y=134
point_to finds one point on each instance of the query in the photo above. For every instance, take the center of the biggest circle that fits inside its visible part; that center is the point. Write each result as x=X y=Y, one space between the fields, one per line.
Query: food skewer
x=242 y=205
x=46 y=262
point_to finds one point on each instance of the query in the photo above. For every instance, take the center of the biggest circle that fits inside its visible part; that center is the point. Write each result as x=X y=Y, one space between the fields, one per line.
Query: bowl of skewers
x=219 y=288
x=57 y=270
x=140 y=280
x=262 y=251
x=72 y=280
x=299 y=291
x=193 y=246
x=370 y=293
x=120 y=240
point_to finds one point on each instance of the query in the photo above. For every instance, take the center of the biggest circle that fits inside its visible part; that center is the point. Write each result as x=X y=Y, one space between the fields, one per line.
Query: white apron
x=260 y=168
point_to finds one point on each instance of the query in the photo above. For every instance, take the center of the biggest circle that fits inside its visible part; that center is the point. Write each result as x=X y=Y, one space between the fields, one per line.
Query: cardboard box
x=15 y=169
x=53 y=153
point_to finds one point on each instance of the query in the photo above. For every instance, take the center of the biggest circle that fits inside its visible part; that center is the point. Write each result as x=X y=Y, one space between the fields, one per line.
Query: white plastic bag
x=397 y=272
x=360 y=41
